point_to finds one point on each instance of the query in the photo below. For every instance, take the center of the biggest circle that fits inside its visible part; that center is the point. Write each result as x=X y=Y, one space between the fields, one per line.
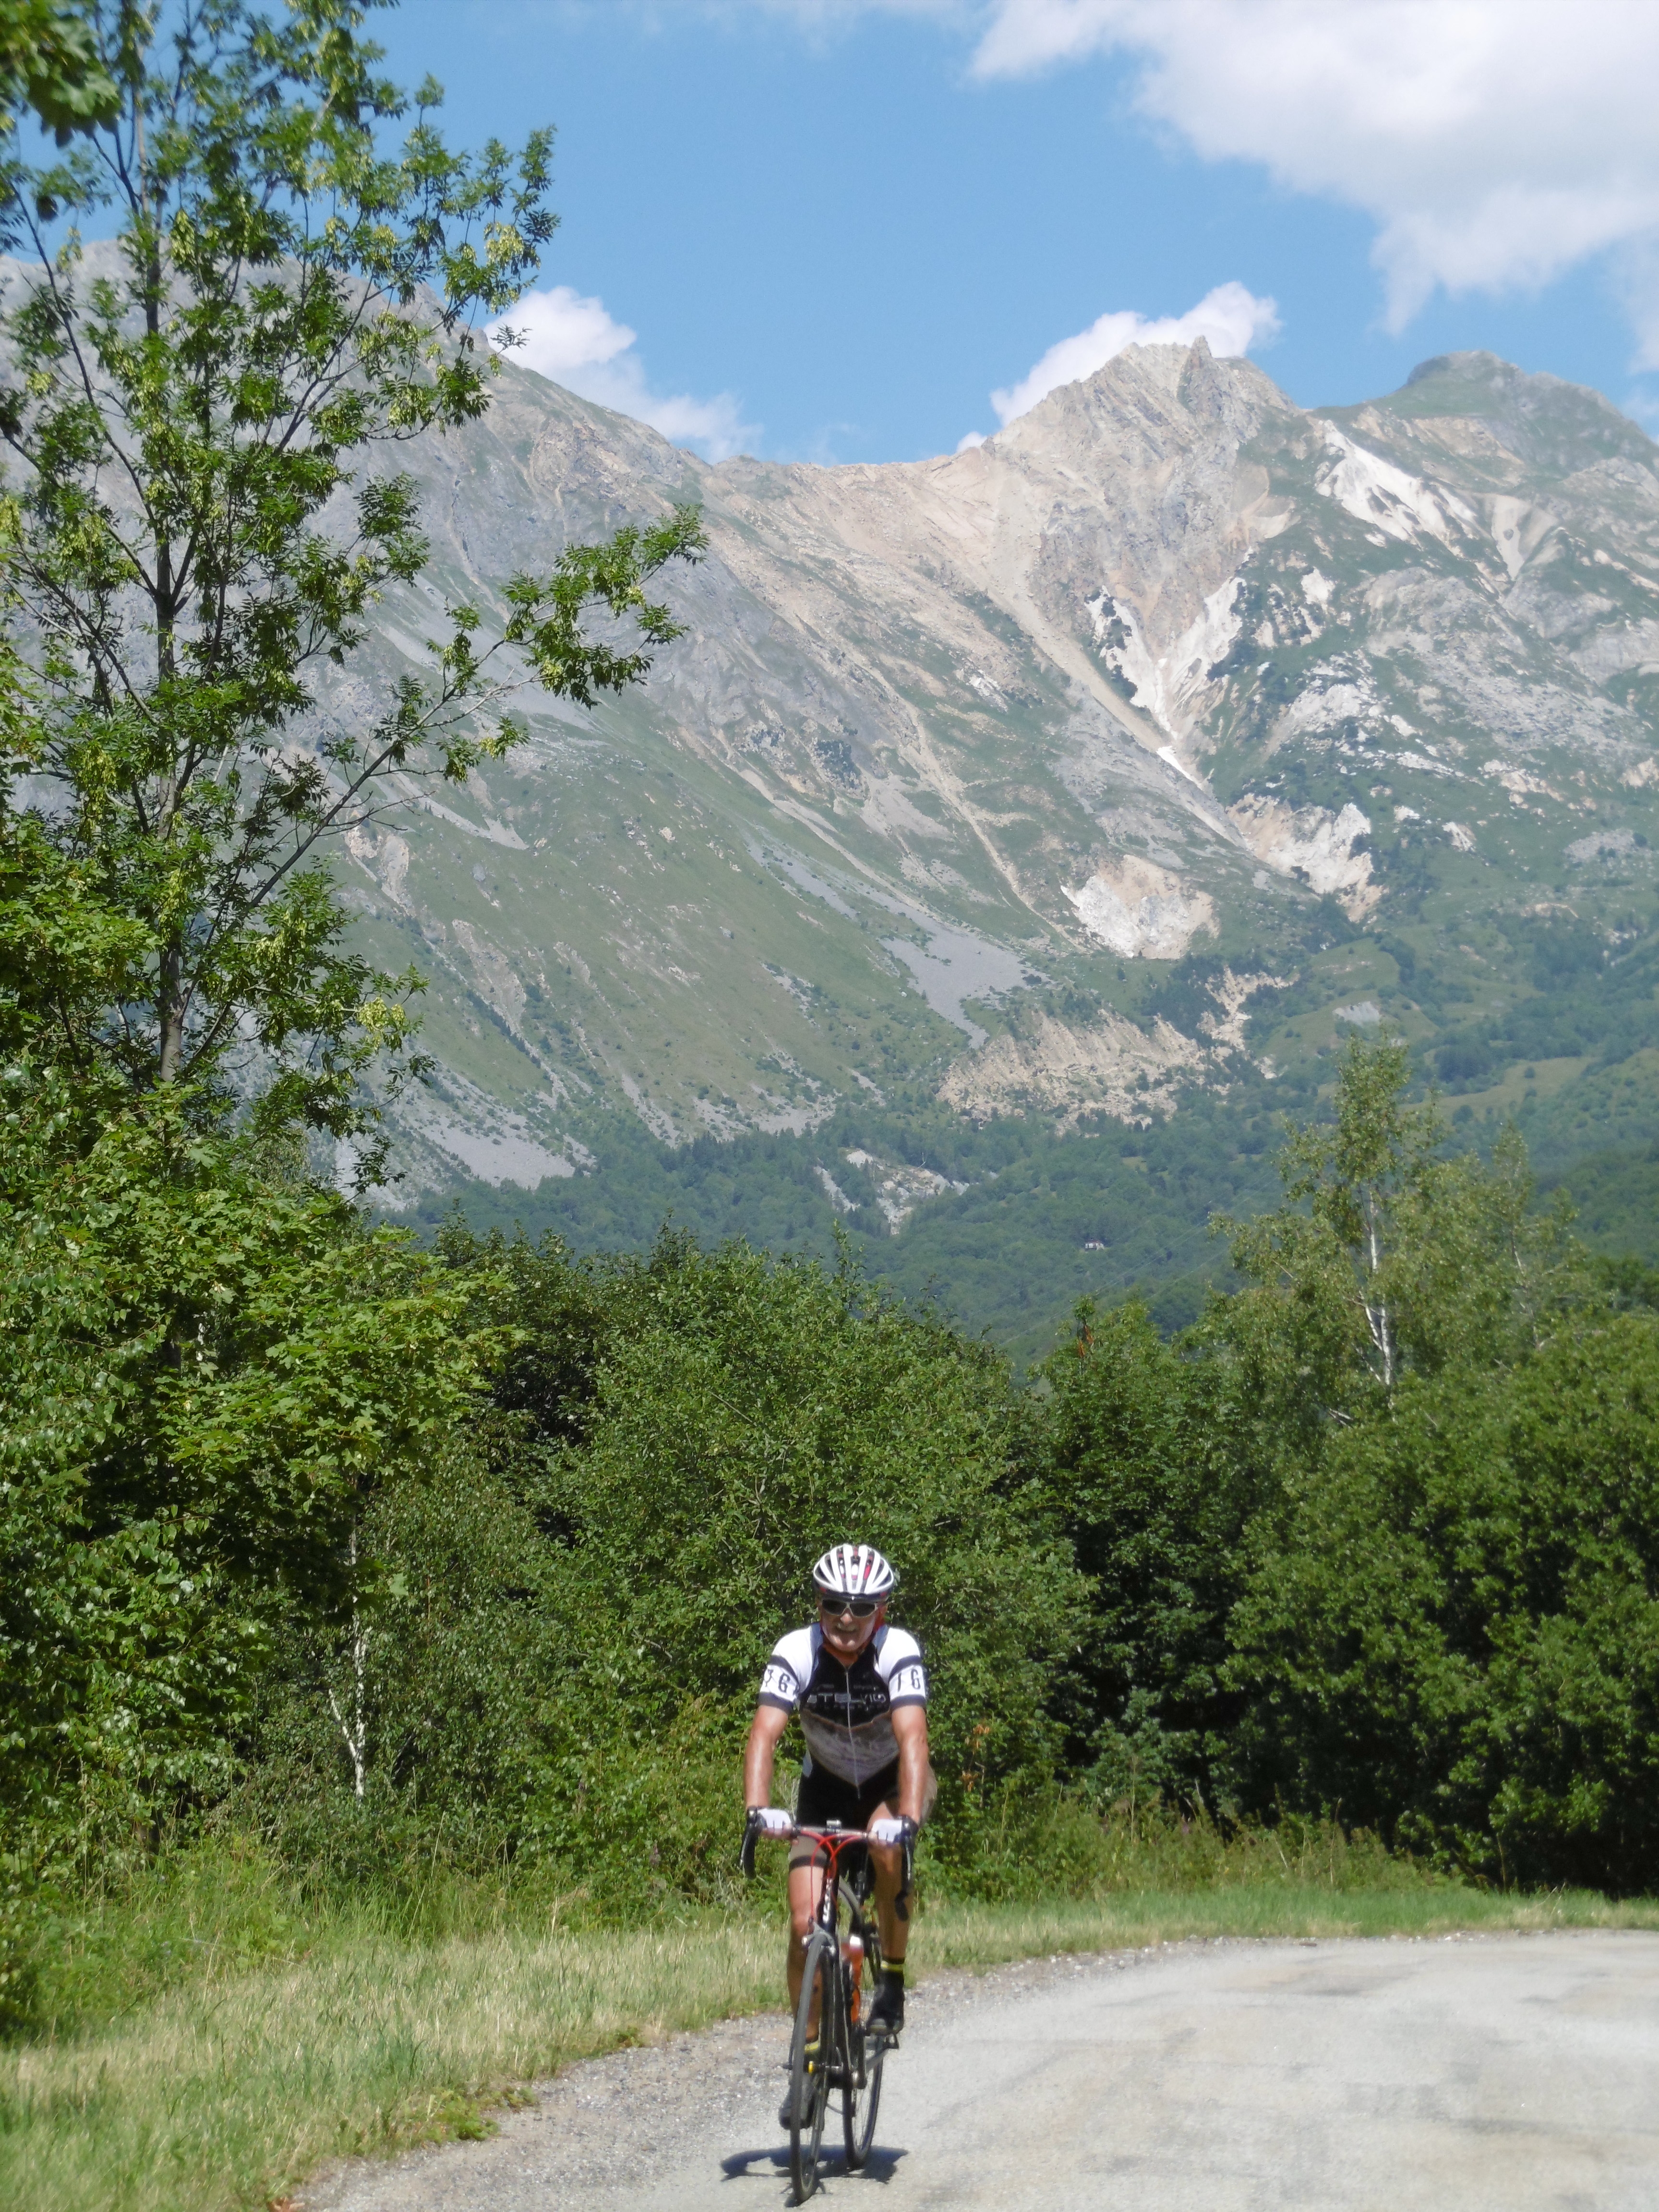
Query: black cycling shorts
x=824 y=1797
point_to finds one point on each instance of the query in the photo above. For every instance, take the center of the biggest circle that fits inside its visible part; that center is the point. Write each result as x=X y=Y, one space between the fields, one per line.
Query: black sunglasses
x=860 y=1608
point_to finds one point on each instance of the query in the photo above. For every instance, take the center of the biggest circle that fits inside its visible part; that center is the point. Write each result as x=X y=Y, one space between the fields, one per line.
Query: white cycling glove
x=899 y=1831
x=771 y=1820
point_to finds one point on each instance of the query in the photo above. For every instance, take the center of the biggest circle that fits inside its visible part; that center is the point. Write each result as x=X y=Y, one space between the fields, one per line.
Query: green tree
x=1387 y=1257
x=194 y=530
x=1442 y=1626
x=206 y=1375
x=211 y=1371
x=1450 y=1635
x=688 y=1431
x=1137 y=1459
x=49 y=65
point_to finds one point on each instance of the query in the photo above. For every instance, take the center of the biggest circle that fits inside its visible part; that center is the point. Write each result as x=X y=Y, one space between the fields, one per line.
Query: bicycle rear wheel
x=858 y=2106
x=808 y=2069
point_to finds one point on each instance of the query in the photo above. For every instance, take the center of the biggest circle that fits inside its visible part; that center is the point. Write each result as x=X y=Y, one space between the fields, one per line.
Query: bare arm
x=910 y=1734
x=765 y=1734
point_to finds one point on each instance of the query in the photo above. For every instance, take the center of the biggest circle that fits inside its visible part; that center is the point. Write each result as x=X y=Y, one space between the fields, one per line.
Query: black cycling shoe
x=887 y=2015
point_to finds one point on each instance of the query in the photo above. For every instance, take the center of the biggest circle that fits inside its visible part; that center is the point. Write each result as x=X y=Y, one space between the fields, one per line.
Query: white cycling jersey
x=846 y=1712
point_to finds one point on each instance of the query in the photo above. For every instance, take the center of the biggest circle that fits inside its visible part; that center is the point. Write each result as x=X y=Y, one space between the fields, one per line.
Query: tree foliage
x=51 y=66
x=205 y=1373
x=676 y=1438
x=201 y=518
x=1377 y=1538
x=1450 y=1634
x=212 y=1366
x=487 y=1543
x=1136 y=1439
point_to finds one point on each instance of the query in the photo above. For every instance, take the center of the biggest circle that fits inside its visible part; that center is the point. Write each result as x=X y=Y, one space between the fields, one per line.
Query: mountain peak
x=1475 y=362
x=1546 y=422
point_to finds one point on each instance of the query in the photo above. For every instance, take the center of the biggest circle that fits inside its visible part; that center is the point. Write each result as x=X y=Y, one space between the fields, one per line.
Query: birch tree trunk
x=354 y=1730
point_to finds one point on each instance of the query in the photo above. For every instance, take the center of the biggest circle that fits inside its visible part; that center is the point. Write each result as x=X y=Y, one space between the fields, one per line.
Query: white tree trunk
x=354 y=1733
x=1377 y=1318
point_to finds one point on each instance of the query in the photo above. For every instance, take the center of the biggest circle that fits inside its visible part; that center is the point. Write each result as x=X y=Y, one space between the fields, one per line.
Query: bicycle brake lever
x=746 y=1856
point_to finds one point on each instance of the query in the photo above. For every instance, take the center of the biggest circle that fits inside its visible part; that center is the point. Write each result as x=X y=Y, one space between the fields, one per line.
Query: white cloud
x=1495 y=142
x=576 y=341
x=1229 y=318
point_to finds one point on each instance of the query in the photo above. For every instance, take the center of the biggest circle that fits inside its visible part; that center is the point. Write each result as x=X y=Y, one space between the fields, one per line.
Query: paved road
x=1501 y=2074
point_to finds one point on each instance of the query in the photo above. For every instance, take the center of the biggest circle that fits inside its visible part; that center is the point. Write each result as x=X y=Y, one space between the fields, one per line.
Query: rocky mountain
x=1128 y=758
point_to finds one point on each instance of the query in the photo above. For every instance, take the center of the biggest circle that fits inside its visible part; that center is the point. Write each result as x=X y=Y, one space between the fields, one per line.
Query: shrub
x=1451 y=1634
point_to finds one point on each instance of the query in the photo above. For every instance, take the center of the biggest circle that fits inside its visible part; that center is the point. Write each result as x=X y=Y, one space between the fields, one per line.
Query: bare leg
x=806 y=1889
x=887 y=1863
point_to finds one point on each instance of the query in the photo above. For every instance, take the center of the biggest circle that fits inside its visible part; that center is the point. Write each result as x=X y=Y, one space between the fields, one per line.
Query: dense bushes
x=1374 y=1541
x=580 y=1606
x=463 y=1564
x=1450 y=1629
x=204 y=1373
x=1379 y=1538
x=1138 y=1460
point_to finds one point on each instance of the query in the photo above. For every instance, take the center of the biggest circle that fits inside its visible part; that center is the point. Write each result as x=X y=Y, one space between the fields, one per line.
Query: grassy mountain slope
x=1003 y=812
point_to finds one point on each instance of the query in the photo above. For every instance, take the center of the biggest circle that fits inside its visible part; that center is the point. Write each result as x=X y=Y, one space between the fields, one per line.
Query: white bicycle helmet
x=854 y=1570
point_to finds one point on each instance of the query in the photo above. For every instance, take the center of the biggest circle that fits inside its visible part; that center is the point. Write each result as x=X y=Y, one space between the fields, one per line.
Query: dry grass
x=225 y=2065
x=982 y=1935
x=228 y=2088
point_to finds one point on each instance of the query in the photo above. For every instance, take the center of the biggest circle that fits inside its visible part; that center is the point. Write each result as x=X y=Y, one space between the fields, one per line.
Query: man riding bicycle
x=862 y=1694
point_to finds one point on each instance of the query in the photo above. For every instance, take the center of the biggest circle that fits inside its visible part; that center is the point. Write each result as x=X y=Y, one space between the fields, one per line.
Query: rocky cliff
x=1336 y=711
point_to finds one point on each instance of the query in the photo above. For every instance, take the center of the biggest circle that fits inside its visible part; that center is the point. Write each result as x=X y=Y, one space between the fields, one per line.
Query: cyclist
x=861 y=1690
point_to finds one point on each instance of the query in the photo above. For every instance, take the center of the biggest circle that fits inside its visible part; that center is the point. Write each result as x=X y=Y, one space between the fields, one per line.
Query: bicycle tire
x=809 y=2076
x=859 y=2106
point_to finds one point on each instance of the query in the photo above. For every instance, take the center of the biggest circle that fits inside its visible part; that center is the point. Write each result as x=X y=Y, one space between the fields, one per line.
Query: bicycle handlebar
x=752 y=1833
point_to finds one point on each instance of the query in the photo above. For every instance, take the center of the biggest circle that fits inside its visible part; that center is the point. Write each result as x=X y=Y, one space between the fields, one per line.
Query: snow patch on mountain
x=468 y=1129
x=383 y=856
x=1169 y=686
x=1326 y=706
x=1233 y=993
x=1519 y=783
x=899 y=1188
x=1376 y=493
x=1519 y=527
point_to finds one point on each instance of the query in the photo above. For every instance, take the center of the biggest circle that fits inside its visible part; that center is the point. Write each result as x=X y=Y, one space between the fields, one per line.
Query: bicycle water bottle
x=854 y=1953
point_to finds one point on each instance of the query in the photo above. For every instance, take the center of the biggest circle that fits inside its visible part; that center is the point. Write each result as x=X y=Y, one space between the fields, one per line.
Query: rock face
x=1170 y=668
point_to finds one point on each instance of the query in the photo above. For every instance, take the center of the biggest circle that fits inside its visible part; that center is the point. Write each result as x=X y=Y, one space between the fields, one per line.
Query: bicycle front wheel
x=808 y=2069
x=860 y=2099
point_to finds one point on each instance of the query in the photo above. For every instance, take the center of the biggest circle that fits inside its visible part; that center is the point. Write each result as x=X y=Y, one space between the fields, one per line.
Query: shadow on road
x=743 y=2165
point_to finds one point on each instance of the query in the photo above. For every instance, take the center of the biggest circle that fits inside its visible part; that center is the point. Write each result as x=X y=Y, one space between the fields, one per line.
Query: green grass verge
x=208 y=2038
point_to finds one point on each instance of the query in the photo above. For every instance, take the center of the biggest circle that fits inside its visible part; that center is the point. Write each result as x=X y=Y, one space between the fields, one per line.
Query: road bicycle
x=842 y=2056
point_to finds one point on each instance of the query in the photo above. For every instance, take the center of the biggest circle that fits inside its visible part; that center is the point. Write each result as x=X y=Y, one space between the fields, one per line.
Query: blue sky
x=835 y=227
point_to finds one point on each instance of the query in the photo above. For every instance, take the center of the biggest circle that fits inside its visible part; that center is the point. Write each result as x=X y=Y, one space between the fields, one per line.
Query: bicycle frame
x=833 y=1842
x=836 y=2052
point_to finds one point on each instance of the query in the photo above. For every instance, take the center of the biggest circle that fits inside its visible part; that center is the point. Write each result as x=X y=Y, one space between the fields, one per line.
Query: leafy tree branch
x=189 y=535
